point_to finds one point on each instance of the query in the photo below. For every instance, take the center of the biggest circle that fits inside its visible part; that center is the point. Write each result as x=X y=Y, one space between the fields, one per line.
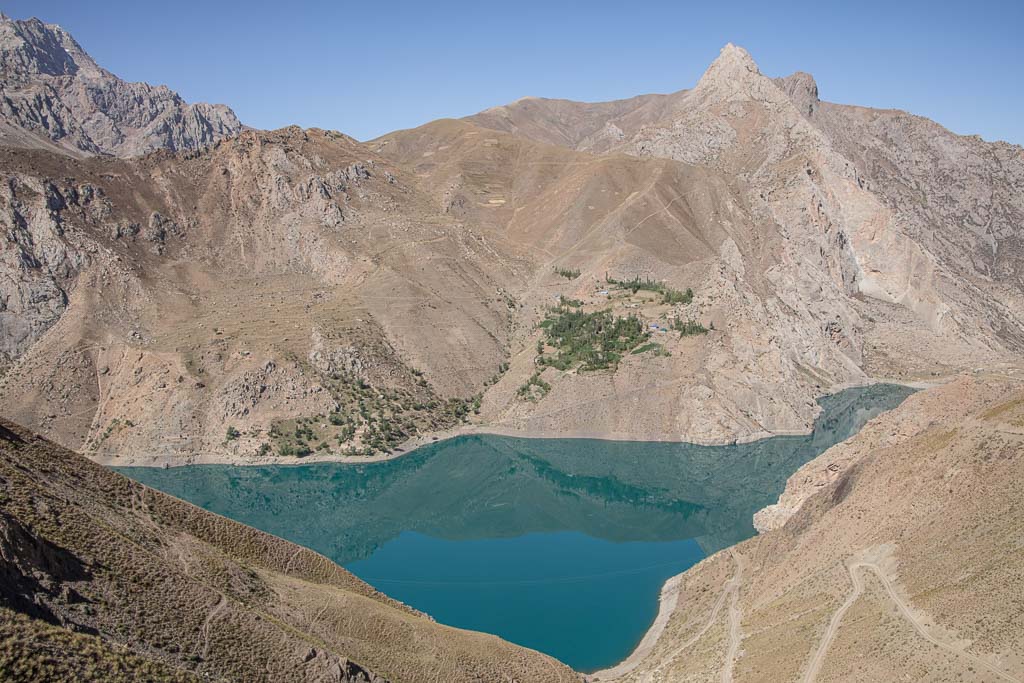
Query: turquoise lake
x=561 y=545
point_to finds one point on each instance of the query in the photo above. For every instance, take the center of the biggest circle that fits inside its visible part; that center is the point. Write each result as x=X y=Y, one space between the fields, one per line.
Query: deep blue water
x=561 y=545
x=552 y=591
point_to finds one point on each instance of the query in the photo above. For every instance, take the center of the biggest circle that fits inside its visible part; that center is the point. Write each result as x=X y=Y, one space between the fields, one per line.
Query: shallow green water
x=561 y=545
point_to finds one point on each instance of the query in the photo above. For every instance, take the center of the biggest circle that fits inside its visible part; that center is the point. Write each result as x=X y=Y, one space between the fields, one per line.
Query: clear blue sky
x=369 y=67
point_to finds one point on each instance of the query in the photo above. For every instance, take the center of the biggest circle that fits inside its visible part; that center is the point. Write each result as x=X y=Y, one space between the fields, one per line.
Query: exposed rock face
x=802 y=90
x=829 y=175
x=40 y=260
x=53 y=94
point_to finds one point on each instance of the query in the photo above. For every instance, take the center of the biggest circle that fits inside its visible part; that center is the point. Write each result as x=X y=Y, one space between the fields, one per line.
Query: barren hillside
x=895 y=555
x=742 y=249
x=106 y=579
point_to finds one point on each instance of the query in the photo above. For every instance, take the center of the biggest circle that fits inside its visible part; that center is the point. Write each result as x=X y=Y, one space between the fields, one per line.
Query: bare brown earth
x=895 y=555
x=105 y=577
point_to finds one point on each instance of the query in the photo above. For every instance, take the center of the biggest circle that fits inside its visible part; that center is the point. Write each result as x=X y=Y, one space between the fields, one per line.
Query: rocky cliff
x=53 y=95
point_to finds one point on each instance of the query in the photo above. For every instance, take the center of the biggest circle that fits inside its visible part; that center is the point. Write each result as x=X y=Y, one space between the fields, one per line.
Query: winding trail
x=735 y=616
x=222 y=602
x=814 y=667
x=729 y=590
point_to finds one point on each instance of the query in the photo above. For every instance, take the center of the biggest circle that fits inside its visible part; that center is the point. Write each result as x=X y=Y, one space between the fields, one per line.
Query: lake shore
x=668 y=599
x=228 y=457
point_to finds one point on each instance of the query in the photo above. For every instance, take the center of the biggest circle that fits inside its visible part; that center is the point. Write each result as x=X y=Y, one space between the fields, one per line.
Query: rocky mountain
x=105 y=579
x=892 y=556
x=877 y=204
x=269 y=278
x=299 y=294
x=54 y=96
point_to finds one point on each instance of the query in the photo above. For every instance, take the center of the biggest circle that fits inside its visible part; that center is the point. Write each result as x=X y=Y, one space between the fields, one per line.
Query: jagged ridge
x=53 y=93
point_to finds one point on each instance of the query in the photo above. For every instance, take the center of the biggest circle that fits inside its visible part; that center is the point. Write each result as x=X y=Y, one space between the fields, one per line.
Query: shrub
x=658 y=349
x=534 y=389
x=689 y=327
x=668 y=294
x=568 y=273
x=589 y=341
x=232 y=433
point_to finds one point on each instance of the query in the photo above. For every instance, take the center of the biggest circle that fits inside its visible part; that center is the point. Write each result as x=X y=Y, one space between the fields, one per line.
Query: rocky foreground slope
x=103 y=579
x=54 y=96
x=895 y=555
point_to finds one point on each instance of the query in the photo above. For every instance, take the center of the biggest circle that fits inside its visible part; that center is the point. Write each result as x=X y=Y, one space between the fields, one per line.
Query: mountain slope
x=584 y=126
x=272 y=277
x=54 y=96
x=131 y=581
x=619 y=216
x=879 y=242
x=894 y=555
x=296 y=293
x=893 y=209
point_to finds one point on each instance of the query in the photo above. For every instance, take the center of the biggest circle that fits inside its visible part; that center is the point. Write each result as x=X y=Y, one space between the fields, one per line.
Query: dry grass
x=936 y=508
x=165 y=585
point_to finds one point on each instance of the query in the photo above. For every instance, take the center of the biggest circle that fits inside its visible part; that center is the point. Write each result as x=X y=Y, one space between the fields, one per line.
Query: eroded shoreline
x=167 y=460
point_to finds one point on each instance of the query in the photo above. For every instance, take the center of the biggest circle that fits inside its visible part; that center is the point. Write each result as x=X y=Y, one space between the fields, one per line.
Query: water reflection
x=561 y=545
x=481 y=486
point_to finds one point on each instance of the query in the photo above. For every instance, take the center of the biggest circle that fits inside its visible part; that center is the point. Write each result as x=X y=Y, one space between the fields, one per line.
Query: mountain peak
x=734 y=76
x=732 y=61
x=56 y=93
x=30 y=47
x=802 y=89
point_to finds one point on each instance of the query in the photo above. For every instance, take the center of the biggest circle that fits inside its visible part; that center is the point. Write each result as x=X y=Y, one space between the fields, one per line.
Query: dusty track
x=735 y=617
x=818 y=659
x=730 y=590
